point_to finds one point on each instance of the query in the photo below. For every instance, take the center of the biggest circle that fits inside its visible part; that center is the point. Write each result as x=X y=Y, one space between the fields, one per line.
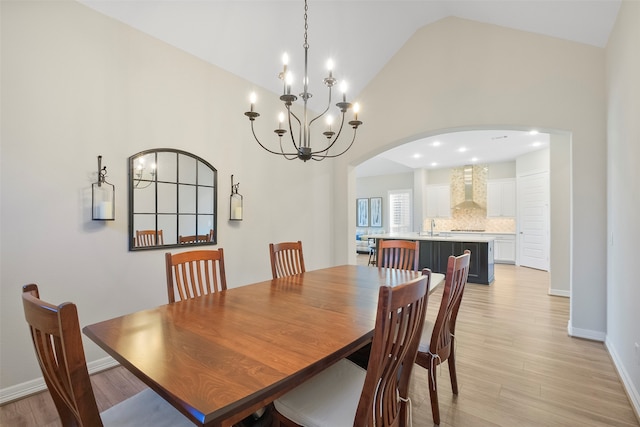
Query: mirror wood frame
x=173 y=197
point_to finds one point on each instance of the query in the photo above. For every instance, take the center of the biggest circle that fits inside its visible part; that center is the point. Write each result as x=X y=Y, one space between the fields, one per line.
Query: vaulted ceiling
x=248 y=38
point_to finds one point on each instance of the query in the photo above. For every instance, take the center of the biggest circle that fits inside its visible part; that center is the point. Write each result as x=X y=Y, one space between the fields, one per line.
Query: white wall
x=76 y=84
x=560 y=215
x=457 y=74
x=502 y=170
x=379 y=186
x=623 y=173
x=439 y=176
x=534 y=162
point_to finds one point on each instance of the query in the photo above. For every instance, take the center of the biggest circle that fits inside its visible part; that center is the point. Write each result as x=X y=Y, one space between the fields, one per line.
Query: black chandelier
x=301 y=148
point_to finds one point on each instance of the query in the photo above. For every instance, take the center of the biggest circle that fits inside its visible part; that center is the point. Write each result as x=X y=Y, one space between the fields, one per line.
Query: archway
x=560 y=196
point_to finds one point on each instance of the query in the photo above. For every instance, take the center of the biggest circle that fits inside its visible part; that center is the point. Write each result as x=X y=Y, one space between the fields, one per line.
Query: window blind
x=400 y=210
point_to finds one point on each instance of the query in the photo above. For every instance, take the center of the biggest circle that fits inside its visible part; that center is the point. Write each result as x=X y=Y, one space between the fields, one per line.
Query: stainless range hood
x=469 y=203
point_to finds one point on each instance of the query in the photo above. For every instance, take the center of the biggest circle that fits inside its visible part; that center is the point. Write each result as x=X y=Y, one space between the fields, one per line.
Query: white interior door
x=533 y=221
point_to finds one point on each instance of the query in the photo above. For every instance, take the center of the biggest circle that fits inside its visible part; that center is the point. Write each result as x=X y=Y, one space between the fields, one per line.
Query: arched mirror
x=172 y=200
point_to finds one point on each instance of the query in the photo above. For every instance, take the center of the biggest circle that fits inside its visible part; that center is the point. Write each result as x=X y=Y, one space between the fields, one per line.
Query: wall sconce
x=235 y=202
x=103 y=196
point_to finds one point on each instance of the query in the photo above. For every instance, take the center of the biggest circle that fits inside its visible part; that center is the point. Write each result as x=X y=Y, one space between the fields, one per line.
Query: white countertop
x=472 y=237
x=437 y=279
x=491 y=233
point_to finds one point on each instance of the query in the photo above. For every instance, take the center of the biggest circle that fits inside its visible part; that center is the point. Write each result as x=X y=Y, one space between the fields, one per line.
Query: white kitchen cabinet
x=504 y=244
x=504 y=248
x=438 y=201
x=501 y=198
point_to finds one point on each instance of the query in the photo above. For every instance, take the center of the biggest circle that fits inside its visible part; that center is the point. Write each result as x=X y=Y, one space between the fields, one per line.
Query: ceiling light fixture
x=301 y=148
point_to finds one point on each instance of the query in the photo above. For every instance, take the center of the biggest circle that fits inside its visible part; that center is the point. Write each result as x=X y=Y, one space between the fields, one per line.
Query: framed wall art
x=375 y=204
x=362 y=212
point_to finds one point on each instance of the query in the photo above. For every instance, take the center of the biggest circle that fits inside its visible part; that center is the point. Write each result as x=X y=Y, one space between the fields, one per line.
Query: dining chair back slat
x=286 y=259
x=189 y=240
x=195 y=273
x=401 y=254
x=149 y=238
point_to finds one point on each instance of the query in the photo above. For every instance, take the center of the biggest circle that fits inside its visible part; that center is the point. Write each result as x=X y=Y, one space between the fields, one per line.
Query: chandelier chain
x=306 y=25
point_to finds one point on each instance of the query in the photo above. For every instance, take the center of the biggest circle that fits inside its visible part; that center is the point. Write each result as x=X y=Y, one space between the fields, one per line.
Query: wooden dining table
x=220 y=357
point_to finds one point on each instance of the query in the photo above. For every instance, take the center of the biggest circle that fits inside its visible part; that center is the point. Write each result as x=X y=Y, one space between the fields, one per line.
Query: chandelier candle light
x=302 y=146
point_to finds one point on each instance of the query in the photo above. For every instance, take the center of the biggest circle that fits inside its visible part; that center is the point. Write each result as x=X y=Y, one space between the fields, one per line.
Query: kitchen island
x=435 y=251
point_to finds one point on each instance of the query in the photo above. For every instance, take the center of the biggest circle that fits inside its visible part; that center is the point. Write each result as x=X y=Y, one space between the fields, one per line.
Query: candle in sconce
x=343 y=88
x=356 y=109
x=280 y=120
x=105 y=210
x=237 y=212
x=252 y=99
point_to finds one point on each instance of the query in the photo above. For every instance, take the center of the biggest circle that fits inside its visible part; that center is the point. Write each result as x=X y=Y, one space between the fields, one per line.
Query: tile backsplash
x=471 y=219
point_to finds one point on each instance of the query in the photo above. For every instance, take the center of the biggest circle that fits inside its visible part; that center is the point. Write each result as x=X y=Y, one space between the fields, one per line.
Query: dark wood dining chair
x=375 y=396
x=55 y=332
x=195 y=273
x=149 y=238
x=437 y=342
x=286 y=259
x=401 y=254
x=190 y=240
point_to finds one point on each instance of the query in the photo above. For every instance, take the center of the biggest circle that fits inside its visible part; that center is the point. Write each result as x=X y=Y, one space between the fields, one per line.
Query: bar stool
x=372 y=253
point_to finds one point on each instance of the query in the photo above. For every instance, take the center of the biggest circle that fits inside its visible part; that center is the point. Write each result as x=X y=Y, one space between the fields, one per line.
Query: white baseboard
x=559 y=293
x=632 y=391
x=585 y=333
x=37 y=385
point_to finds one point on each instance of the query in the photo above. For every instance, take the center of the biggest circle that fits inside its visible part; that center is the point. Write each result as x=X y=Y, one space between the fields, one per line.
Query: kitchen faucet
x=433 y=224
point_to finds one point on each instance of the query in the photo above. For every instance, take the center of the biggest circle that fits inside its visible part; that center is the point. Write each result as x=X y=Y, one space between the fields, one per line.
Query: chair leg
x=452 y=371
x=433 y=394
x=281 y=421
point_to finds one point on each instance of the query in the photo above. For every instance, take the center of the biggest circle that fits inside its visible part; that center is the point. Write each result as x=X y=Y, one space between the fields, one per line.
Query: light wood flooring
x=516 y=367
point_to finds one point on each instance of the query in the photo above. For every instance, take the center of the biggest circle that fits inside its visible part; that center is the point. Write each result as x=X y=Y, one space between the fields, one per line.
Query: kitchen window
x=400 y=208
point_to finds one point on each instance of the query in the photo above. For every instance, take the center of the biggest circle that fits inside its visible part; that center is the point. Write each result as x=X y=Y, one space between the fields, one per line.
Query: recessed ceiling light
x=462 y=149
x=536 y=144
x=436 y=143
x=417 y=156
x=533 y=132
x=434 y=164
x=475 y=159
